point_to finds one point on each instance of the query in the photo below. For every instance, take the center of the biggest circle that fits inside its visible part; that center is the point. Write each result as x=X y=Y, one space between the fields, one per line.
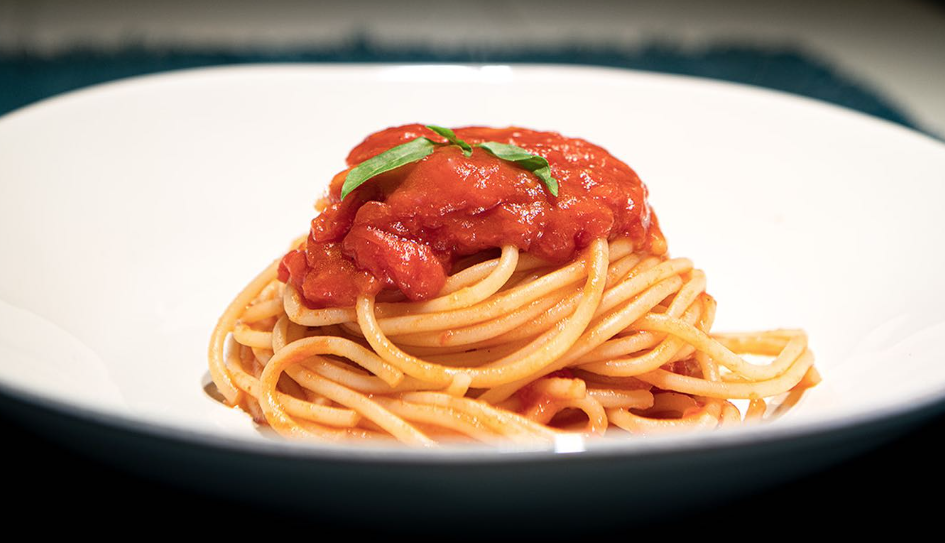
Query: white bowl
x=133 y=212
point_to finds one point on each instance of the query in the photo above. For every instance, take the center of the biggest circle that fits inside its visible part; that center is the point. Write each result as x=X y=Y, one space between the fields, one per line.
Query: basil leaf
x=451 y=137
x=536 y=164
x=390 y=159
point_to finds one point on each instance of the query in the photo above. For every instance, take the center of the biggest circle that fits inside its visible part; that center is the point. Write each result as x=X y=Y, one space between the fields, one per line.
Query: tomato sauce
x=404 y=229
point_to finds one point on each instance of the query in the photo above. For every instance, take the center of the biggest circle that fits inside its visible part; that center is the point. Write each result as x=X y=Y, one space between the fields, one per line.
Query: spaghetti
x=512 y=346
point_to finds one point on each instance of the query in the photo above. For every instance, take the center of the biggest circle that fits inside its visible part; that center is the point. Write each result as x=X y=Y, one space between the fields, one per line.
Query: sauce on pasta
x=404 y=229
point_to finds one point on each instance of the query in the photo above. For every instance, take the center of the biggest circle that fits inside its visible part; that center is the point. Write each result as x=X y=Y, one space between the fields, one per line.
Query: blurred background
x=885 y=58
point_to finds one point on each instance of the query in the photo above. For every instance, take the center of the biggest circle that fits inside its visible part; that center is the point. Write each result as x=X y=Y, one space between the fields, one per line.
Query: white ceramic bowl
x=132 y=212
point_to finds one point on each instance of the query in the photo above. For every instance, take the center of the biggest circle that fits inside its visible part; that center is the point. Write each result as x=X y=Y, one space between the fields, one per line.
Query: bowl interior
x=133 y=212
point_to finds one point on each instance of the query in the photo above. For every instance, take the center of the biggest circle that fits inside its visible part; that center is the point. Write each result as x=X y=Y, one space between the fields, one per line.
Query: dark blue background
x=25 y=79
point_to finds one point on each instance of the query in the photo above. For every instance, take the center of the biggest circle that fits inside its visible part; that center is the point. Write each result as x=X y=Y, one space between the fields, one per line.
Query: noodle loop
x=512 y=350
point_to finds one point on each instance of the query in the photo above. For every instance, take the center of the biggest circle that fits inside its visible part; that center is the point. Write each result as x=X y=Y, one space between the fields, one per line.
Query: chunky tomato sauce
x=404 y=229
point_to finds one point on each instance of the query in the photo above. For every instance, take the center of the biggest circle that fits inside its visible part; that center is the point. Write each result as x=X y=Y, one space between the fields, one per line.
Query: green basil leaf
x=536 y=164
x=451 y=137
x=390 y=159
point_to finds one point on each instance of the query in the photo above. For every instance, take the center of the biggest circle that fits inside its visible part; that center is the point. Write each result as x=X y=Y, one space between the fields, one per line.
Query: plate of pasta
x=501 y=279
